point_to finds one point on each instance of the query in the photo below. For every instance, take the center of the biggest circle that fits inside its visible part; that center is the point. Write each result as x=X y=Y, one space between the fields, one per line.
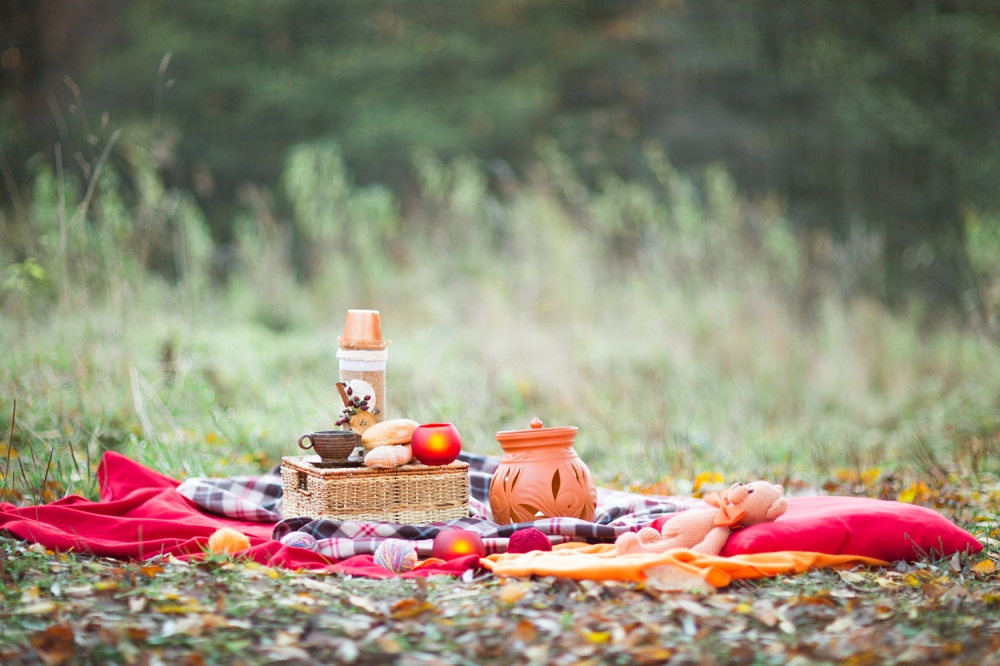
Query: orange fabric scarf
x=580 y=561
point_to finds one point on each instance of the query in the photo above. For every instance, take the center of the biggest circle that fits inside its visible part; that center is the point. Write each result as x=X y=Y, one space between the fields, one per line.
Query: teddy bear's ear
x=779 y=507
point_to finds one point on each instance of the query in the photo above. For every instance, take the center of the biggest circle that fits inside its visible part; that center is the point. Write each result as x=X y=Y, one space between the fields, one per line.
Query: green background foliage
x=855 y=114
x=724 y=235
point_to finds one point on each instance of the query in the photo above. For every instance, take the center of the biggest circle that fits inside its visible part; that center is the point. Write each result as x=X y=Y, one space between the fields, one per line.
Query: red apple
x=436 y=443
x=450 y=544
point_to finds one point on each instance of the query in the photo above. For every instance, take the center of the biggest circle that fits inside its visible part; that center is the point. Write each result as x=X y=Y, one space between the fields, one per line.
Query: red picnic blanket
x=141 y=515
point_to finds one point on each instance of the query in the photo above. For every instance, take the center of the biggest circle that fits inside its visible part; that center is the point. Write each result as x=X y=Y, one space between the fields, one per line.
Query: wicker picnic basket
x=413 y=494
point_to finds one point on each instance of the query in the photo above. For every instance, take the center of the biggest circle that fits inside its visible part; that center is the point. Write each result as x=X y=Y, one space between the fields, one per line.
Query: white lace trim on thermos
x=362 y=360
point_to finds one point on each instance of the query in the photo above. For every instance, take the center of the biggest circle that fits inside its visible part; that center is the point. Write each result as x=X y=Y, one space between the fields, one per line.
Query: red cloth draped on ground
x=141 y=515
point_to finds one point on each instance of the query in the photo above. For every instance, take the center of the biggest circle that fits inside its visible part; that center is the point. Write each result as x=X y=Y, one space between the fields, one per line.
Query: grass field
x=684 y=330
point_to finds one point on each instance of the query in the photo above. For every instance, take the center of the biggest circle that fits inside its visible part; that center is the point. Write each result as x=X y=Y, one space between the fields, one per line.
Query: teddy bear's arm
x=713 y=542
x=646 y=540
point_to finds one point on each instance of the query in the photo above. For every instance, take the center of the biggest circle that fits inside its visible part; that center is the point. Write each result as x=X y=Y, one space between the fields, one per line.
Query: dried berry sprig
x=354 y=404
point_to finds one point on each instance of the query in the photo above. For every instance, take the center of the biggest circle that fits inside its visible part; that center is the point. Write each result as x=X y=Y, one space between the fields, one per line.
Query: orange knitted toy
x=707 y=530
x=227 y=540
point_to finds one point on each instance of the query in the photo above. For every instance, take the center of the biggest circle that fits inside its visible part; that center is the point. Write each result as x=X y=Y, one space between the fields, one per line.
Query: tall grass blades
x=682 y=327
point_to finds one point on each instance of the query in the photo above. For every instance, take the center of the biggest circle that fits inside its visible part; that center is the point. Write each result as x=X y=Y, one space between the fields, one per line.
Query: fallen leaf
x=598 y=637
x=513 y=592
x=348 y=650
x=37 y=608
x=985 y=568
x=869 y=477
x=670 y=578
x=136 y=634
x=918 y=490
x=525 y=631
x=255 y=571
x=814 y=600
x=285 y=638
x=763 y=612
x=955 y=564
x=213 y=621
x=288 y=653
x=688 y=625
x=54 y=644
x=317 y=585
x=851 y=577
x=407 y=608
x=843 y=594
x=651 y=655
x=691 y=607
x=364 y=603
x=191 y=606
x=883 y=611
x=388 y=645
x=839 y=625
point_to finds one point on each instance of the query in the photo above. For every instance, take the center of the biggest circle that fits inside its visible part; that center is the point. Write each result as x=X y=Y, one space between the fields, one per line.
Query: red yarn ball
x=527 y=540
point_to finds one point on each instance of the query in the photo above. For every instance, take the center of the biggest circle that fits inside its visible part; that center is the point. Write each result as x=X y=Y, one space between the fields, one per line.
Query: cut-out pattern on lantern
x=541 y=476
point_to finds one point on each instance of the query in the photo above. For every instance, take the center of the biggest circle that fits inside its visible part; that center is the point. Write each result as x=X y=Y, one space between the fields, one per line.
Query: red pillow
x=852 y=526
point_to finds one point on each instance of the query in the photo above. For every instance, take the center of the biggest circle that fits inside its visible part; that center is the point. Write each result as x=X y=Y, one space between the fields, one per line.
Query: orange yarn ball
x=227 y=540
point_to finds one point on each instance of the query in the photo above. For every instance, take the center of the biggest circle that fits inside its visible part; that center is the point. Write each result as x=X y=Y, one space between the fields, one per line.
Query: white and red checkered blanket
x=258 y=498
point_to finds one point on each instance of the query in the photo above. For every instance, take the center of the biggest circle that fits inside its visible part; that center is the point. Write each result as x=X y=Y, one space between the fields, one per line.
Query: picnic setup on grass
x=385 y=496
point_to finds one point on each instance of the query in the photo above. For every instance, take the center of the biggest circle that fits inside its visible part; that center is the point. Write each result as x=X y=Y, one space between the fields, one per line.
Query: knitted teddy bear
x=707 y=530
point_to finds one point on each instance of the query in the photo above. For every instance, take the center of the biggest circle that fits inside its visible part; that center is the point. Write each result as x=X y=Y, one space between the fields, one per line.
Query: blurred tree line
x=859 y=115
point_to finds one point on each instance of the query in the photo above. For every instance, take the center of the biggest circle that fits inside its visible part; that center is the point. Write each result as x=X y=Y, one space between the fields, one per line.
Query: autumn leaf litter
x=66 y=609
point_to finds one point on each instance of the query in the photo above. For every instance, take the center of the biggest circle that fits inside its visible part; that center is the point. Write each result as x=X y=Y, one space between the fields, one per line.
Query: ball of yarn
x=227 y=540
x=396 y=555
x=527 y=540
x=299 y=540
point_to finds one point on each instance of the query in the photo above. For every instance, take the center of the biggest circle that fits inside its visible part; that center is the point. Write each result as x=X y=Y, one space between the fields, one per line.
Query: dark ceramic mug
x=333 y=446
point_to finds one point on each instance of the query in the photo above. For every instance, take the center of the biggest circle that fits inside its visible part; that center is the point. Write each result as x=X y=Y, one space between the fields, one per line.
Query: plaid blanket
x=259 y=499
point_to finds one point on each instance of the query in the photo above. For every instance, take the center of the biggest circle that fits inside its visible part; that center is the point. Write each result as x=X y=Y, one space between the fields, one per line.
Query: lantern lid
x=537 y=435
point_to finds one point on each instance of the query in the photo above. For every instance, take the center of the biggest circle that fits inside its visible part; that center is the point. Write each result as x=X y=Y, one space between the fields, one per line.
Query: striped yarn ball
x=299 y=540
x=396 y=555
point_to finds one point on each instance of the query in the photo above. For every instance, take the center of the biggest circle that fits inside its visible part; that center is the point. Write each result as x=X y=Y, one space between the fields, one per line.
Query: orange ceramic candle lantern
x=540 y=476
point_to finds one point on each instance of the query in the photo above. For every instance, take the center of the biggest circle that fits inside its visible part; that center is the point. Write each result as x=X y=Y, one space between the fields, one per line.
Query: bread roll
x=389 y=456
x=396 y=431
